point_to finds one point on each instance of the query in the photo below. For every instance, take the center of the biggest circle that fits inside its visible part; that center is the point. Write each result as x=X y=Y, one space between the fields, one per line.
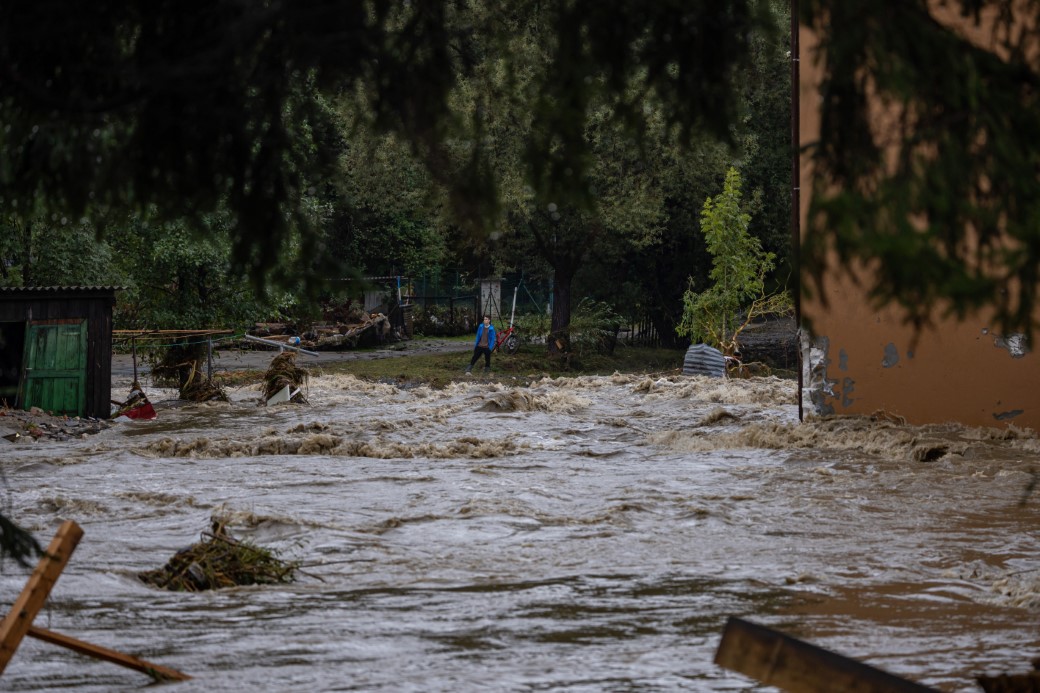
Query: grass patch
x=529 y=364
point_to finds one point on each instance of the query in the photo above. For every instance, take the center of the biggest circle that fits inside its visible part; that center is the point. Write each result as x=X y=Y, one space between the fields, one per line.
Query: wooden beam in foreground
x=18 y=622
x=154 y=670
x=19 y=619
x=779 y=660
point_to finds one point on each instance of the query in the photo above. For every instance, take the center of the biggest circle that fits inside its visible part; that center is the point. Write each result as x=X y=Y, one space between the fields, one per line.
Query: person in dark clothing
x=484 y=344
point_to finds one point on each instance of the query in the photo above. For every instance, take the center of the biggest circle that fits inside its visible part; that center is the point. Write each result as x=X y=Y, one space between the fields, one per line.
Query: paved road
x=235 y=360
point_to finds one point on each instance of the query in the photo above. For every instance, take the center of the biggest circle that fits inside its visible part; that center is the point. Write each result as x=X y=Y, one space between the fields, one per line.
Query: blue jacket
x=491 y=335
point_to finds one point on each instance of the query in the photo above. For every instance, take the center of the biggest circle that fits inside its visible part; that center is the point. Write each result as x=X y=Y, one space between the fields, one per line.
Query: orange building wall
x=857 y=360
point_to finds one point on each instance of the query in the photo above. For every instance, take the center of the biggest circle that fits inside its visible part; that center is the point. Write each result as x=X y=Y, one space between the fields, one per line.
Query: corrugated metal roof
x=57 y=289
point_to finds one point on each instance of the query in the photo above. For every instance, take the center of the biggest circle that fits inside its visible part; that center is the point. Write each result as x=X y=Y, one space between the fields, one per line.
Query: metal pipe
x=796 y=189
x=273 y=343
x=513 y=315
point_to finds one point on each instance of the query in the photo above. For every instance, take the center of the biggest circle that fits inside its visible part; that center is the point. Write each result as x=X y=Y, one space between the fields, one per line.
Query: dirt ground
x=237 y=360
x=17 y=426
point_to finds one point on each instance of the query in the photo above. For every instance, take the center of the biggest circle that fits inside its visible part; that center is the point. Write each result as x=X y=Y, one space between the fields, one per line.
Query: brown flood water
x=586 y=534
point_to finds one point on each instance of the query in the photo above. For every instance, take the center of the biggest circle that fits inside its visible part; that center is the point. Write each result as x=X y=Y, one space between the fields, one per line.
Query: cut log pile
x=362 y=330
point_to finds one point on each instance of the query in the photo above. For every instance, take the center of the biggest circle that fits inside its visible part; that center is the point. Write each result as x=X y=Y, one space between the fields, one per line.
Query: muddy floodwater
x=587 y=534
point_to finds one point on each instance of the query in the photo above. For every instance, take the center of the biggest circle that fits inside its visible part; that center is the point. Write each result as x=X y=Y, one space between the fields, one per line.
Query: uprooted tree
x=737 y=296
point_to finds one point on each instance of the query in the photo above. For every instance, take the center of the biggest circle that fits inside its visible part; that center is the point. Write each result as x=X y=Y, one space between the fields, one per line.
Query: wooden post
x=779 y=660
x=154 y=670
x=19 y=619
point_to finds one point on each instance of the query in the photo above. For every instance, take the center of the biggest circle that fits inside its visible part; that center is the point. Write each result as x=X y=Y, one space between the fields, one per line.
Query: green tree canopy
x=185 y=106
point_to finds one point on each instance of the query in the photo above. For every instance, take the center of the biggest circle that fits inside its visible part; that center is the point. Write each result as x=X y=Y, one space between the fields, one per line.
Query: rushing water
x=588 y=534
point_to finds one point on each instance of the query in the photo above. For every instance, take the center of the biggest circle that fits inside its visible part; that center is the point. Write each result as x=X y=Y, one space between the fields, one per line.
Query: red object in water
x=144 y=412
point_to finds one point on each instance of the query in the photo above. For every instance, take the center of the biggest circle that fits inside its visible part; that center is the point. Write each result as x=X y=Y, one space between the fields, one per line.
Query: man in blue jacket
x=484 y=344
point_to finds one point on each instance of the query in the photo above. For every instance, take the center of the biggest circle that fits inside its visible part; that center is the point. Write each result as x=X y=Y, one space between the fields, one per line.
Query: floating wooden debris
x=220 y=560
x=776 y=659
x=282 y=374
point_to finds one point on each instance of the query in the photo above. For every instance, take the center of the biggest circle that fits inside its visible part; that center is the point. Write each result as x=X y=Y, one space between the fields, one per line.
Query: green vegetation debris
x=220 y=560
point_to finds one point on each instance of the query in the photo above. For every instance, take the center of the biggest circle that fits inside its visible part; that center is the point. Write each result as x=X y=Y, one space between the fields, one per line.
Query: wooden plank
x=154 y=670
x=19 y=619
x=775 y=659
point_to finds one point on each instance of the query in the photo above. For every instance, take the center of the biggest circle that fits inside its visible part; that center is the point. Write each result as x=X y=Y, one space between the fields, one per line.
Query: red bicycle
x=508 y=341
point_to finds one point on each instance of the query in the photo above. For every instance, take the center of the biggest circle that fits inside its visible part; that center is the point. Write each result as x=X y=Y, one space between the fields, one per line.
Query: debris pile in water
x=201 y=389
x=218 y=561
x=179 y=367
x=283 y=372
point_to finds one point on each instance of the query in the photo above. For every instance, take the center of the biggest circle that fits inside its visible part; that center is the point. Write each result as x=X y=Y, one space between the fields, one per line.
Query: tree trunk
x=665 y=324
x=559 y=330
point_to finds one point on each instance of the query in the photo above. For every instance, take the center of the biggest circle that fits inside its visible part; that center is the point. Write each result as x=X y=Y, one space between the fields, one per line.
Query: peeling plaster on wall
x=816 y=388
x=1005 y=415
x=891 y=355
x=843 y=360
x=1016 y=344
x=848 y=386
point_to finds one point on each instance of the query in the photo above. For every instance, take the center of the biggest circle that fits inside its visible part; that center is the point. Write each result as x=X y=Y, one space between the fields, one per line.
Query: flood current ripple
x=584 y=534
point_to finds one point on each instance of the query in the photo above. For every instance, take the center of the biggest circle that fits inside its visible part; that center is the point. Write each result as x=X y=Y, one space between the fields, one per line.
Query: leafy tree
x=593 y=328
x=387 y=210
x=176 y=277
x=37 y=252
x=627 y=212
x=655 y=274
x=128 y=104
x=719 y=314
x=648 y=281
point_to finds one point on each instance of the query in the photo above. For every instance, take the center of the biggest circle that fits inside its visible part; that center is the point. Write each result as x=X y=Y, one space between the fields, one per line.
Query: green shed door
x=56 y=367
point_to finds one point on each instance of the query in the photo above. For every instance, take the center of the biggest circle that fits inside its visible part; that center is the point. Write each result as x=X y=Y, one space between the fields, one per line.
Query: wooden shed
x=56 y=349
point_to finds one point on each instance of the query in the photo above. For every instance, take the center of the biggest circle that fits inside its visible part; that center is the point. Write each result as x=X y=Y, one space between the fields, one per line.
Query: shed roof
x=14 y=292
